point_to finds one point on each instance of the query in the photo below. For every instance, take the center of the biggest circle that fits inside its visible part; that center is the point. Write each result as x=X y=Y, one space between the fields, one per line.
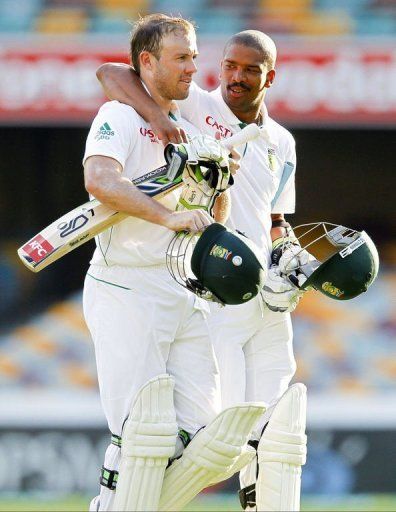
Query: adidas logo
x=104 y=132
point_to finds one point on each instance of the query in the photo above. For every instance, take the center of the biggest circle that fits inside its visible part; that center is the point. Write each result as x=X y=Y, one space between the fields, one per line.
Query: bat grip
x=250 y=132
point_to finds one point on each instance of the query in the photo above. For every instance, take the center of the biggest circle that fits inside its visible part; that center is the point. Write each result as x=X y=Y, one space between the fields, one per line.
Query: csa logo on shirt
x=104 y=132
x=272 y=162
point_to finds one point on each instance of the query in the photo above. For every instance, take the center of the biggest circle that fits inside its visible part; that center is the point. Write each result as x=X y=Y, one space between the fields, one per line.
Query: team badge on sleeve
x=272 y=161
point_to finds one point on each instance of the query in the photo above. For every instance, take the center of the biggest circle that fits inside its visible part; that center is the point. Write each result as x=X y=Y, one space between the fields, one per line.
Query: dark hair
x=255 y=39
x=149 y=31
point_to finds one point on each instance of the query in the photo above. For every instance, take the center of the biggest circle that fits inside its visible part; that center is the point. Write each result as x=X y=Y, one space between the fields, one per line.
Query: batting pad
x=281 y=452
x=148 y=440
x=247 y=455
x=210 y=455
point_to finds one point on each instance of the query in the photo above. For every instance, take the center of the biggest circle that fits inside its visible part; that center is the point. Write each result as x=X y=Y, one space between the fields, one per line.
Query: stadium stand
x=54 y=349
x=19 y=16
x=341 y=348
x=291 y=17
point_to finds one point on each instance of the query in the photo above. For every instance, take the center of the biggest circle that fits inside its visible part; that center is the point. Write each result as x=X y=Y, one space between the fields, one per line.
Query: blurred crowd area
x=289 y=17
x=343 y=348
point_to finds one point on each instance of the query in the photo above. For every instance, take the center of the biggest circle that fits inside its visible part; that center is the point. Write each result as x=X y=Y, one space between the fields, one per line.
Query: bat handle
x=250 y=132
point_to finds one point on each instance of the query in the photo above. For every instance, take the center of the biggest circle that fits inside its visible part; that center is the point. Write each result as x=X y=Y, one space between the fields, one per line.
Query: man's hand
x=233 y=161
x=205 y=149
x=279 y=294
x=201 y=192
x=234 y=156
x=188 y=220
x=206 y=171
x=293 y=259
x=166 y=130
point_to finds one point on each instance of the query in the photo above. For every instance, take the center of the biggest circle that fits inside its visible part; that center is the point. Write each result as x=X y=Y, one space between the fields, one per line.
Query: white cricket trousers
x=254 y=352
x=144 y=324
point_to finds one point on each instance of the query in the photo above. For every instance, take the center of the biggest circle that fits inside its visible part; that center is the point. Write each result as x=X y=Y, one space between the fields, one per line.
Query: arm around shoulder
x=120 y=82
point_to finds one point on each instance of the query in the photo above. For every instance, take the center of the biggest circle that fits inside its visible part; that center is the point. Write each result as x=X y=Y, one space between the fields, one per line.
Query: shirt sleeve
x=189 y=108
x=285 y=202
x=111 y=133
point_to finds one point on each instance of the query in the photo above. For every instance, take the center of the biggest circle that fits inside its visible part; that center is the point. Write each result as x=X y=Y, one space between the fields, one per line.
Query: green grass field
x=209 y=503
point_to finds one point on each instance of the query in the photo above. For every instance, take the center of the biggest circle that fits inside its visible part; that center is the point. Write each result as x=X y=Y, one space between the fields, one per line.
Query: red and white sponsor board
x=330 y=84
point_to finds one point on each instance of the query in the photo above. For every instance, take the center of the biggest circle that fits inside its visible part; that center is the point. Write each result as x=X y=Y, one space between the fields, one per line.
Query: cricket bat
x=91 y=218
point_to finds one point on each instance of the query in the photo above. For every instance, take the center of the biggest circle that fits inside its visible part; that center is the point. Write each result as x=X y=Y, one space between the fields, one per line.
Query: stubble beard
x=168 y=88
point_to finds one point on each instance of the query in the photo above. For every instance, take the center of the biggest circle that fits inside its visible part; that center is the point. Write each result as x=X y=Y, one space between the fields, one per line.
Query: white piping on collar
x=174 y=110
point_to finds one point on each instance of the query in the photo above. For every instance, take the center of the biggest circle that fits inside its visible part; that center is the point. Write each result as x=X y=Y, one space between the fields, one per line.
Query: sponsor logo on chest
x=225 y=132
x=147 y=132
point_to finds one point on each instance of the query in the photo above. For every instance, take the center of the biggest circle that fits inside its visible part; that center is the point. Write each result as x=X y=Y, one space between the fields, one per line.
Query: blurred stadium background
x=336 y=91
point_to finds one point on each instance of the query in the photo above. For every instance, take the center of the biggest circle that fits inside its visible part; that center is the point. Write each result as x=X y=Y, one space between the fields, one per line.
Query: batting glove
x=198 y=191
x=206 y=172
x=279 y=294
x=203 y=149
x=297 y=263
x=213 y=160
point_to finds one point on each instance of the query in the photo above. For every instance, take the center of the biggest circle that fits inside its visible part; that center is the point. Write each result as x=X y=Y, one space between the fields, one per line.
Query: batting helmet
x=218 y=265
x=343 y=274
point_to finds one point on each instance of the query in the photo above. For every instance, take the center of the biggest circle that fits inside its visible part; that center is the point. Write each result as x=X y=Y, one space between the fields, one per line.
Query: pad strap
x=247 y=496
x=116 y=440
x=184 y=437
x=280 y=223
x=108 y=478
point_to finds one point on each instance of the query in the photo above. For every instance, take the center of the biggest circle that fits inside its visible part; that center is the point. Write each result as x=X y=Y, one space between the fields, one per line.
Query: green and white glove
x=292 y=259
x=204 y=149
x=206 y=171
x=279 y=294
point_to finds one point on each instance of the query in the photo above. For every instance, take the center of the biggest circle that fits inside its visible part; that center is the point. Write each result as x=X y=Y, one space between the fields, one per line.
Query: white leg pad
x=281 y=453
x=94 y=505
x=211 y=456
x=148 y=440
x=248 y=453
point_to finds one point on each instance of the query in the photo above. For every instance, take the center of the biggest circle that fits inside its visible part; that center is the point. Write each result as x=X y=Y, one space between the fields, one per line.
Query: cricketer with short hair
x=253 y=341
x=157 y=373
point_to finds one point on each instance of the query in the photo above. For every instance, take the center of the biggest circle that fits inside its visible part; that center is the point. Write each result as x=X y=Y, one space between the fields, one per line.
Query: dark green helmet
x=347 y=273
x=218 y=265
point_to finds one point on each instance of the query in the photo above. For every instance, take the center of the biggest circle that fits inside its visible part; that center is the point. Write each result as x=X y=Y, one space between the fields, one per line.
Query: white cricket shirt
x=120 y=133
x=264 y=183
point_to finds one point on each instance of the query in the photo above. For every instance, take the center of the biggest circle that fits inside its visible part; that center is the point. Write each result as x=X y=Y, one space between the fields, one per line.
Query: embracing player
x=156 y=368
x=253 y=341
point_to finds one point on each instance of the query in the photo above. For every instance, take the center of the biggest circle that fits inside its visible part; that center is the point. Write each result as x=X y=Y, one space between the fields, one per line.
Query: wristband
x=280 y=223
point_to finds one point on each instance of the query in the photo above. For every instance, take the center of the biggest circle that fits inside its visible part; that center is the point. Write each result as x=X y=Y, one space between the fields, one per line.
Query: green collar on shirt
x=172 y=116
